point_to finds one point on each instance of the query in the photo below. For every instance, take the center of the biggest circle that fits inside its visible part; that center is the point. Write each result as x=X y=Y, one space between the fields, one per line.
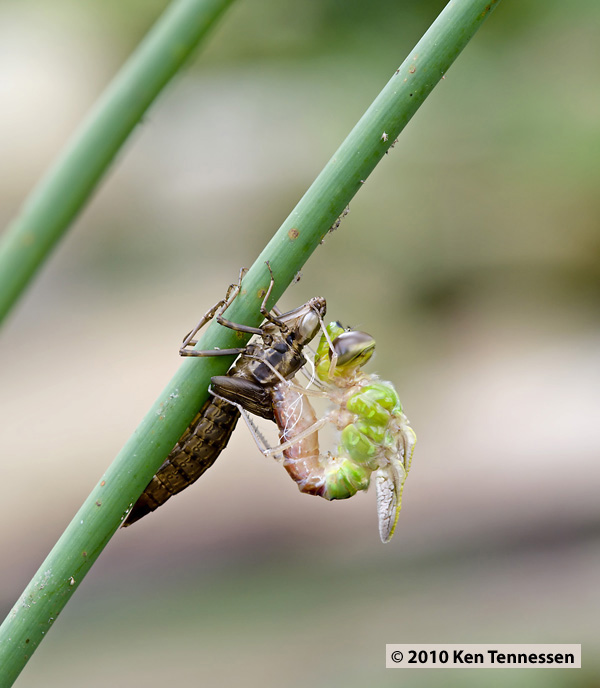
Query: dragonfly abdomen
x=197 y=450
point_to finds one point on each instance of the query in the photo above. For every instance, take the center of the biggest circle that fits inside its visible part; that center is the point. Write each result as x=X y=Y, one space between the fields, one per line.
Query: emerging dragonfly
x=375 y=434
x=262 y=364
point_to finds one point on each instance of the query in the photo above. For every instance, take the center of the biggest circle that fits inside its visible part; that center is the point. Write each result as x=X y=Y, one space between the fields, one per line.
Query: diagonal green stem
x=69 y=184
x=300 y=234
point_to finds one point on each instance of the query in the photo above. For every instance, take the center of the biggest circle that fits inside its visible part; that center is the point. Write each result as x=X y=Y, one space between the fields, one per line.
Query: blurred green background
x=472 y=255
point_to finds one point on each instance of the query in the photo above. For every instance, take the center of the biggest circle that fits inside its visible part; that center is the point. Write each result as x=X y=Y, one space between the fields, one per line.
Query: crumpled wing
x=389 y=482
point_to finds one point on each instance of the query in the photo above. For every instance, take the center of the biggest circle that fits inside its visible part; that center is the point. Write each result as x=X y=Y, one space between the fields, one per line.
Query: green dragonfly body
x=375 y=436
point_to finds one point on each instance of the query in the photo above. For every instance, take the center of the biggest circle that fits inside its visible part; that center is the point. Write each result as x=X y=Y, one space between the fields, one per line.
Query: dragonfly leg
x=217 y=312
x=257 y=436
x=268 y=315
x=211 y=352
x=255 y=330
x=318 y=388
x=311 y=376
x=237 y=327
x=315 y=427
x=220 y=307
x=227 y=386
x=332 y=352
x=260 y=441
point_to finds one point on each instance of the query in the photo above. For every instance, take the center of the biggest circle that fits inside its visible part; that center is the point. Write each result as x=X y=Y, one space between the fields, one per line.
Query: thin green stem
x=300 y=234
x=70 y=182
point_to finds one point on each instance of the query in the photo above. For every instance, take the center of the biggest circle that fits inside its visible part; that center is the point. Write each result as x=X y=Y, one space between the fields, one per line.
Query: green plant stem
x=105 y=508
x=70 y=182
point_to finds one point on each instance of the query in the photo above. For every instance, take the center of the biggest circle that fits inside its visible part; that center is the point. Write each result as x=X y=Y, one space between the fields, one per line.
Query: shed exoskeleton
x=262 y=364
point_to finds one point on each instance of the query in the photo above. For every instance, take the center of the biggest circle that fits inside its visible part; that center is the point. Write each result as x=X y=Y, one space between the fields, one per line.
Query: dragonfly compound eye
x=309 y=326
x=353 y=348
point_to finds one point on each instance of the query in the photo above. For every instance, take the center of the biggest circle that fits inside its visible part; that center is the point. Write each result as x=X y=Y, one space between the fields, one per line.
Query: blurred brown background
x=471 y=255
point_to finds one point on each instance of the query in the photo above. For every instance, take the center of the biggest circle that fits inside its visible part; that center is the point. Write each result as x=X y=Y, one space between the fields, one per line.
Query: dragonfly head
x=352 y=348
x=306 y=320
